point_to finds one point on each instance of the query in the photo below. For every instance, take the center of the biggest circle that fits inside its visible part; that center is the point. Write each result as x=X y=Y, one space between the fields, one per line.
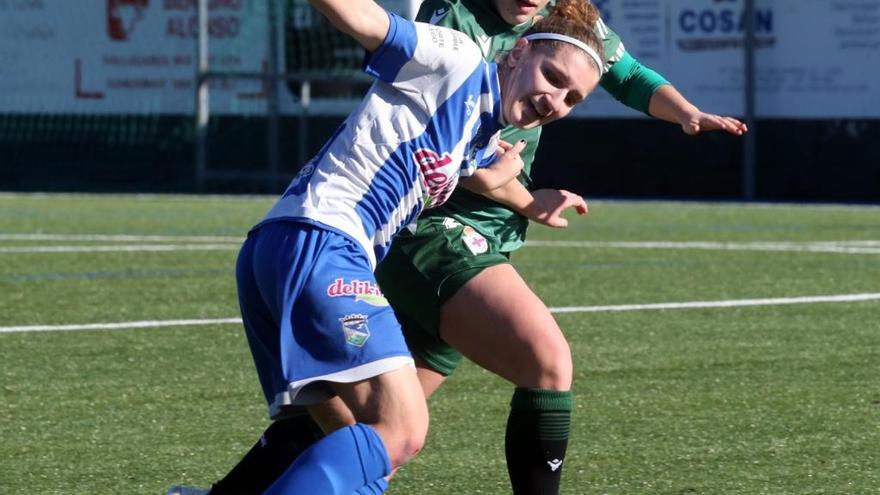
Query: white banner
x=126 y=56
x=815 y=58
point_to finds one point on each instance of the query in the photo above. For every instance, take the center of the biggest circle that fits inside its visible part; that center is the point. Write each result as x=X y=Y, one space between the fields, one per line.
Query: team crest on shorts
x=355 y=329
x=474 y=241
x=450 y=223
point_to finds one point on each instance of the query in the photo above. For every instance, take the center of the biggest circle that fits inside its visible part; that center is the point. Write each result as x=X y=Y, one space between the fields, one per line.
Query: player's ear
x=518 y=52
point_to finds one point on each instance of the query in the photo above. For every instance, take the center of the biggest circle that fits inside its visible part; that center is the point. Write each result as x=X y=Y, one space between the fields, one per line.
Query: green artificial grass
x=779 y=399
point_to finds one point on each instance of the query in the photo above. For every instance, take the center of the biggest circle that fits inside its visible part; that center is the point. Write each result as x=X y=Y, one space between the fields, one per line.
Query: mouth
x=526 y=7
x=530 y=113
x=539 y=114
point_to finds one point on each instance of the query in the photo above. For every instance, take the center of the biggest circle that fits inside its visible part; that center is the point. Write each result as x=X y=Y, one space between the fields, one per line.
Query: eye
x=552 y=77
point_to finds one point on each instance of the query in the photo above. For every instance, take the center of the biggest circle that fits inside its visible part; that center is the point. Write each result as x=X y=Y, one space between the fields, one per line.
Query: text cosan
x=723 y=21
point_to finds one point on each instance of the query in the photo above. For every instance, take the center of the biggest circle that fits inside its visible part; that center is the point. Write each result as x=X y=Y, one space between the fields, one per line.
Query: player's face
x=542 y=85
x=515 y=12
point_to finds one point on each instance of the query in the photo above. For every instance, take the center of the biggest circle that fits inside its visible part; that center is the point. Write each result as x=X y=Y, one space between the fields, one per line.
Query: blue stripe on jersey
x=489 y=125
x=413 y=215
x=397 y=49
x=392 y=181
x=443 y=131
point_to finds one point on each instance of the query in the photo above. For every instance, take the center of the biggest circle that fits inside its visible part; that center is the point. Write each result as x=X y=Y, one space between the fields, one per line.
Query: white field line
x=215 y=243
x=120 y=326
x=119 y=248
x=732 y=303
x=839 y=247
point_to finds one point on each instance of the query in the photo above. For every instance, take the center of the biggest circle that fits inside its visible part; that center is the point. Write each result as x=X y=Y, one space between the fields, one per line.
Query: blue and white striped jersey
x=433 y=114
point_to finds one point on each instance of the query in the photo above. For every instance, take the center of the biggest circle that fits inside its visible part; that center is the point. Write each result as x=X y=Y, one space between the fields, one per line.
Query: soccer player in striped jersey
x=317 y=325
x=461 y=250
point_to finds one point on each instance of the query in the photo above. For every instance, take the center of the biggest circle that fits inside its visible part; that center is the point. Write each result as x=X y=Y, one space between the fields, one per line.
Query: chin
x=529 y=124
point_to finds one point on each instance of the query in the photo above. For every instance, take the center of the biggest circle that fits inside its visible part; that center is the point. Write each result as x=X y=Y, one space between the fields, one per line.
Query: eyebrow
x=565 y=79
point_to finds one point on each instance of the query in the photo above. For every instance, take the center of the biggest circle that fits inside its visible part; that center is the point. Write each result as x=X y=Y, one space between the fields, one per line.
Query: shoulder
x=449 y=41
x=613 y=45
x=450 y=13
x=433 y=11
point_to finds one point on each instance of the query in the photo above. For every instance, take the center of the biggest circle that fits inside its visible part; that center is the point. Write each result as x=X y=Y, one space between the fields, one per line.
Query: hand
x=698 y=122
x=549 y=204
x=499 y=173
x=508 y=156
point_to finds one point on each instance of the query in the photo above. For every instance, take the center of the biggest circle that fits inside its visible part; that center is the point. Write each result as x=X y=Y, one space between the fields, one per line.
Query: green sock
x=536 y=439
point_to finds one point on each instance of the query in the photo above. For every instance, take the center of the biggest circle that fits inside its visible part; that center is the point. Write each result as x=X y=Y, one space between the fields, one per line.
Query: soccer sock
x=377 y=487
x=280 y=445
x=536 y=439
x=349 y=460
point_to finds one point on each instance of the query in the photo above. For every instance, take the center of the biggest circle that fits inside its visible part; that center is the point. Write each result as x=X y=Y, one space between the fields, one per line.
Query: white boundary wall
x=816 y=58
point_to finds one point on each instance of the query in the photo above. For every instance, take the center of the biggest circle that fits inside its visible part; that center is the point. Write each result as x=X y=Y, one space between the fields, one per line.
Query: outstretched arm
x=363 y=20
x=643 y=89
x=670 y=105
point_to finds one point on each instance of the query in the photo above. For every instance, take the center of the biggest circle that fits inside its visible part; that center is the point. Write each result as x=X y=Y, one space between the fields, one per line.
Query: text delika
x=354 y=288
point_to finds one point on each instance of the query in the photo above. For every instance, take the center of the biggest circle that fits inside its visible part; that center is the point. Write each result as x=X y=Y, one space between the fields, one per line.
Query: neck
x=503 y=74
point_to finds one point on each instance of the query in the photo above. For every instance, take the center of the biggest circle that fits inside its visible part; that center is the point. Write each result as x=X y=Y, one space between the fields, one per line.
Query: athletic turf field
x=770 y=387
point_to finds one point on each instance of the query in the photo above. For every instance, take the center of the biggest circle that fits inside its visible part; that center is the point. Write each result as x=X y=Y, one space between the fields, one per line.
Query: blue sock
x=350 y=460
x=377 y=487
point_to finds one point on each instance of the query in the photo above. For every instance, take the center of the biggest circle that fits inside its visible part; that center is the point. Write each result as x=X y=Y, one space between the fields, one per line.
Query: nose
x=554 y=105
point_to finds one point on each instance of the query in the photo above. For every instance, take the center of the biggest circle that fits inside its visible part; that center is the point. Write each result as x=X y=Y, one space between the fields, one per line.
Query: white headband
x=568 y=39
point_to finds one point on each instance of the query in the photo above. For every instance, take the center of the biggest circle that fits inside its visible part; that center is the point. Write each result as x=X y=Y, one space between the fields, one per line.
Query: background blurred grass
x=764 y=400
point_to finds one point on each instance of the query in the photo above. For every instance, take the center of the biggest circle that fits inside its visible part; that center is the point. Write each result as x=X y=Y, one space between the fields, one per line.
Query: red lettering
x=335 y=289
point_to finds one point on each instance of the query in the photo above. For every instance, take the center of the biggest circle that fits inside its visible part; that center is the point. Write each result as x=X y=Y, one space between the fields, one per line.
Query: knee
x=553 y=368
x=404 y=438
x=409 y=448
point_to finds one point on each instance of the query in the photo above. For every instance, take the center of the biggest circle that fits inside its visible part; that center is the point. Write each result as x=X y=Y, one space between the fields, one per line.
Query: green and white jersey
x=624 y=78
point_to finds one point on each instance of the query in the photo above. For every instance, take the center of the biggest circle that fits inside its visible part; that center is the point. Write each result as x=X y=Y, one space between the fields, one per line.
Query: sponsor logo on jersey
x=474 y=241
x=362 y=290
x=470 y=104
x=355 y=329
x=439 y=14
x=440 y=175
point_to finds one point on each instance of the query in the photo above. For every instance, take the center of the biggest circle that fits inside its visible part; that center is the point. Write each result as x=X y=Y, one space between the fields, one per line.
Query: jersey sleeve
x=625 y=78
x=398 y=48
x=482 y=157
x=425 y=61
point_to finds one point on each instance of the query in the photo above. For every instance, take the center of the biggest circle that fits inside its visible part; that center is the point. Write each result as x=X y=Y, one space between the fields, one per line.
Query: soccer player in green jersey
x=458 y=260
x=451 y=282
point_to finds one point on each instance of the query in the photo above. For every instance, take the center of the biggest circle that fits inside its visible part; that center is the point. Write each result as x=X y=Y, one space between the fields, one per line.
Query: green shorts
x=422 y=271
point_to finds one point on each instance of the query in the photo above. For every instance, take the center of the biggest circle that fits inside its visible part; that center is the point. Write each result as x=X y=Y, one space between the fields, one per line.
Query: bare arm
x=363 y=20
x=544 y=206
x=670 y=105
